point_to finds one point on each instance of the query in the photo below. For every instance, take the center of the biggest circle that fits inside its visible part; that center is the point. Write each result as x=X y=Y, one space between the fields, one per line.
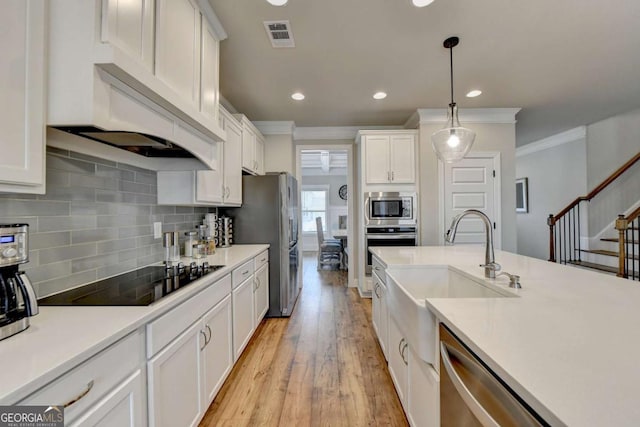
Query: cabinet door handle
x=376 y=268
x=258 y=280
x=376 y=289
x=400 y=348
x=402 y=353
x=210 y=333
x=204 y=334
x=393 y=176
x=263 y=259
x=244 y=273
x=80 y=396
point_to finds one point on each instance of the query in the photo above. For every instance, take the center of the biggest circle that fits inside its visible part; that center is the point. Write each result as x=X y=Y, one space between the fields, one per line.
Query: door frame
x=497 y=195
x=351 y=282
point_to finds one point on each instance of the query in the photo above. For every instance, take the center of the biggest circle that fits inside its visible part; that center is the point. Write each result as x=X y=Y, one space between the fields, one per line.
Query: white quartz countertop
x=568 y=346
x=61 y=337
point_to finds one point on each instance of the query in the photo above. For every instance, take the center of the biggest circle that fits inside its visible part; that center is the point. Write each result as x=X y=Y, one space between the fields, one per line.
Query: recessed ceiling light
x=421 y=3
x=298 y=96
x=474 y=93
x=278 y=2
x=379 y=95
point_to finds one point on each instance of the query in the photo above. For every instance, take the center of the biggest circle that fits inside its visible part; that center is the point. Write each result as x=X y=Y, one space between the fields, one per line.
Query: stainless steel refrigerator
x=269 y=214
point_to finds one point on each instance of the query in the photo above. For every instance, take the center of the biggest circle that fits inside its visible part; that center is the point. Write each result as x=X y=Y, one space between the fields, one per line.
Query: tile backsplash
x=95 y=221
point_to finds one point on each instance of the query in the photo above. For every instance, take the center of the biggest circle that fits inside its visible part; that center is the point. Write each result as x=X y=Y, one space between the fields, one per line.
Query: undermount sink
x=409 y=287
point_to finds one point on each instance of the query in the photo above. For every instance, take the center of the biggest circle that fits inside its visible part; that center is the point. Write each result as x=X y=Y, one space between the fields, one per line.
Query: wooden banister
x=633 y=215
x=604 y=184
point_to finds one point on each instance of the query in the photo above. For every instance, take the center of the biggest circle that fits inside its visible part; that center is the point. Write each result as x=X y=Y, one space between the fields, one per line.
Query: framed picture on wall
x=522 y=195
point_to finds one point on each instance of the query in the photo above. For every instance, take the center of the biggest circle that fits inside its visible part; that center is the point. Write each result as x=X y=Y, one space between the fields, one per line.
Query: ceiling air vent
x=279 y=33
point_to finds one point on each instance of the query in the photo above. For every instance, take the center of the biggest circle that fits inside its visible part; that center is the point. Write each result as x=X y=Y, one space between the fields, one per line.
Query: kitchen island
x=566 y=344
x=60 y=338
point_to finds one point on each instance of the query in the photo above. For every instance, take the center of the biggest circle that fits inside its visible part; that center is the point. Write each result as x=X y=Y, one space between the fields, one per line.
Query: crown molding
x=334 y=132
x=467 y=115
x=570 y=135
x=275 y=128
x=211 y=16
x=413 y=122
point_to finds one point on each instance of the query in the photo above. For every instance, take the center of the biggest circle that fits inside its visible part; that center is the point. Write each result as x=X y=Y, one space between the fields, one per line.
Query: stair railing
x=564 y=227
x=628 y=238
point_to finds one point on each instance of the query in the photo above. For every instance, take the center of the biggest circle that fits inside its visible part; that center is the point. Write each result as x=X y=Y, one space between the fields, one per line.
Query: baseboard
x=366 y=294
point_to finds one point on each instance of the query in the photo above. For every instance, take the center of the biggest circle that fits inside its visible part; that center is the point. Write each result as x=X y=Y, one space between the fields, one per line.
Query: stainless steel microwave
x=390 y=208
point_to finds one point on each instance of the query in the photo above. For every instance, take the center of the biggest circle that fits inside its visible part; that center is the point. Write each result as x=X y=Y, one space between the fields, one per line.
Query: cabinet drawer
x=261 y=260
x=241 y=273
x=91 y=380
x=379 y=269
x=167 y=327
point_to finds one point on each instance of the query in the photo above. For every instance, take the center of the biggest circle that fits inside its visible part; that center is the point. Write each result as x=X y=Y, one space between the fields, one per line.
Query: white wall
x=335 y=206
x=489 y=137
x=557 y=175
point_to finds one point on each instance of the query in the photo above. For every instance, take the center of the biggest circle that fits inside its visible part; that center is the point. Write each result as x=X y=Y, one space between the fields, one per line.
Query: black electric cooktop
x=140 y=287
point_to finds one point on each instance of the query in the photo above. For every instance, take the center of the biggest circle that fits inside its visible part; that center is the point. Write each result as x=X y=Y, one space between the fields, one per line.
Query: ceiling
x=565 y=63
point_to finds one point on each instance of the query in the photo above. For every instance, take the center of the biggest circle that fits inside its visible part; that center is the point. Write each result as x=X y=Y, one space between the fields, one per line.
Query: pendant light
x=452 y=142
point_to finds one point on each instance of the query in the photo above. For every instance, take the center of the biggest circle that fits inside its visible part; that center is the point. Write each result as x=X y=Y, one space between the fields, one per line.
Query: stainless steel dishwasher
x=472 y=395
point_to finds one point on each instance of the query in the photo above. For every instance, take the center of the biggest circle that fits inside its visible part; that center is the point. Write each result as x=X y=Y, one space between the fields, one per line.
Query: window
x=314 y=204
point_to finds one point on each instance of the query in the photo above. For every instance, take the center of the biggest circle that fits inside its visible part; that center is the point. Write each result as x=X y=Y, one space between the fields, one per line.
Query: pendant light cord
x=451 y=70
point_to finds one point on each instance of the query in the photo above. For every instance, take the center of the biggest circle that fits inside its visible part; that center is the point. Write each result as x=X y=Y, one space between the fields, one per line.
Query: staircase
x=615 y=252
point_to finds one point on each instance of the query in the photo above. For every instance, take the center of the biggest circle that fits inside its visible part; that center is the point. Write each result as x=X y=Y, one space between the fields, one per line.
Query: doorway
x=325 y=174
x=472 y=183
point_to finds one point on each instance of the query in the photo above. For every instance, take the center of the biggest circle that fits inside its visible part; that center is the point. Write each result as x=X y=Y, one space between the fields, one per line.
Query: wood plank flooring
x=321 y=367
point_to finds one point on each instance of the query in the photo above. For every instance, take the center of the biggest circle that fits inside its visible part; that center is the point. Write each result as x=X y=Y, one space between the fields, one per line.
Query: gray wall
x=556 y=176
x=96 y=220
x=610 y=143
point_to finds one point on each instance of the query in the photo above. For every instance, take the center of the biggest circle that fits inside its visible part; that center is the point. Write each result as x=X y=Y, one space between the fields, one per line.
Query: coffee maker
x=18 y=300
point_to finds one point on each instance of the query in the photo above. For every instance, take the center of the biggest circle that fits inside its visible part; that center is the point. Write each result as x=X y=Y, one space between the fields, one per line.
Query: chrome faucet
x=490 y=265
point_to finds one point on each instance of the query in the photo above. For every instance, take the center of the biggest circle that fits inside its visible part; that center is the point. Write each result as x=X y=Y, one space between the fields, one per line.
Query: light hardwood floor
x=321 y=367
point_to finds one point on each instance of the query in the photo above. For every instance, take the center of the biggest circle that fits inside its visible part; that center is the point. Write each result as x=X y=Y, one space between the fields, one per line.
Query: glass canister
x=192 y=239
x=210 y=246
x=197 y=251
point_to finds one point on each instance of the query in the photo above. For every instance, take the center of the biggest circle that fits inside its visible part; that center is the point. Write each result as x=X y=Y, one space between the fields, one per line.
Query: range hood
x=137 y=143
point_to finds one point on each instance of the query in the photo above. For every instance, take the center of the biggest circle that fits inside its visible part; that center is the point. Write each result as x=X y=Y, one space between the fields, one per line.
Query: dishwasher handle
x=474 y=406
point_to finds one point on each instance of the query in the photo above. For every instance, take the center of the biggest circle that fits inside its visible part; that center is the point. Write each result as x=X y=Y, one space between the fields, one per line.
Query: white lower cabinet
x=380 y=313
x=398 y=361
x=125 y=406
x=243 y=316
x=174 y=381
x=218 y=352
x=416 y=381
x=108 y=386
x=423 y=407
x=261 y=293
x=186 y=374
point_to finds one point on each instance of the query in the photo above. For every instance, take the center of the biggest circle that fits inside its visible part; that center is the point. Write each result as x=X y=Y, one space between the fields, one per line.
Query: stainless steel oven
x=386 y=237
x=390 y=208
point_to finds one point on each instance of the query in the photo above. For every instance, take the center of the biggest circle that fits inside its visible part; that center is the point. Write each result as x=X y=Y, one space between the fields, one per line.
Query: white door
x=208 y=188
x=248 y=149
x=209 y=72
x=470 y=184
x=129 y=26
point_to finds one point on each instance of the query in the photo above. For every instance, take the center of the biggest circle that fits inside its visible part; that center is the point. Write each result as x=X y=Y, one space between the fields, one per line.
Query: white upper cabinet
x=178 y=39
x=148 y=66
x=389 y=156
x=23 y=88
x=130 y=26
x=252 y=147
x=232 y=164
x=209 y=72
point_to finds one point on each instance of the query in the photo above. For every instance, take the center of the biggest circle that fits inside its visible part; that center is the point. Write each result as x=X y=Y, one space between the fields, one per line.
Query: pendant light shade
x=452 y=142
